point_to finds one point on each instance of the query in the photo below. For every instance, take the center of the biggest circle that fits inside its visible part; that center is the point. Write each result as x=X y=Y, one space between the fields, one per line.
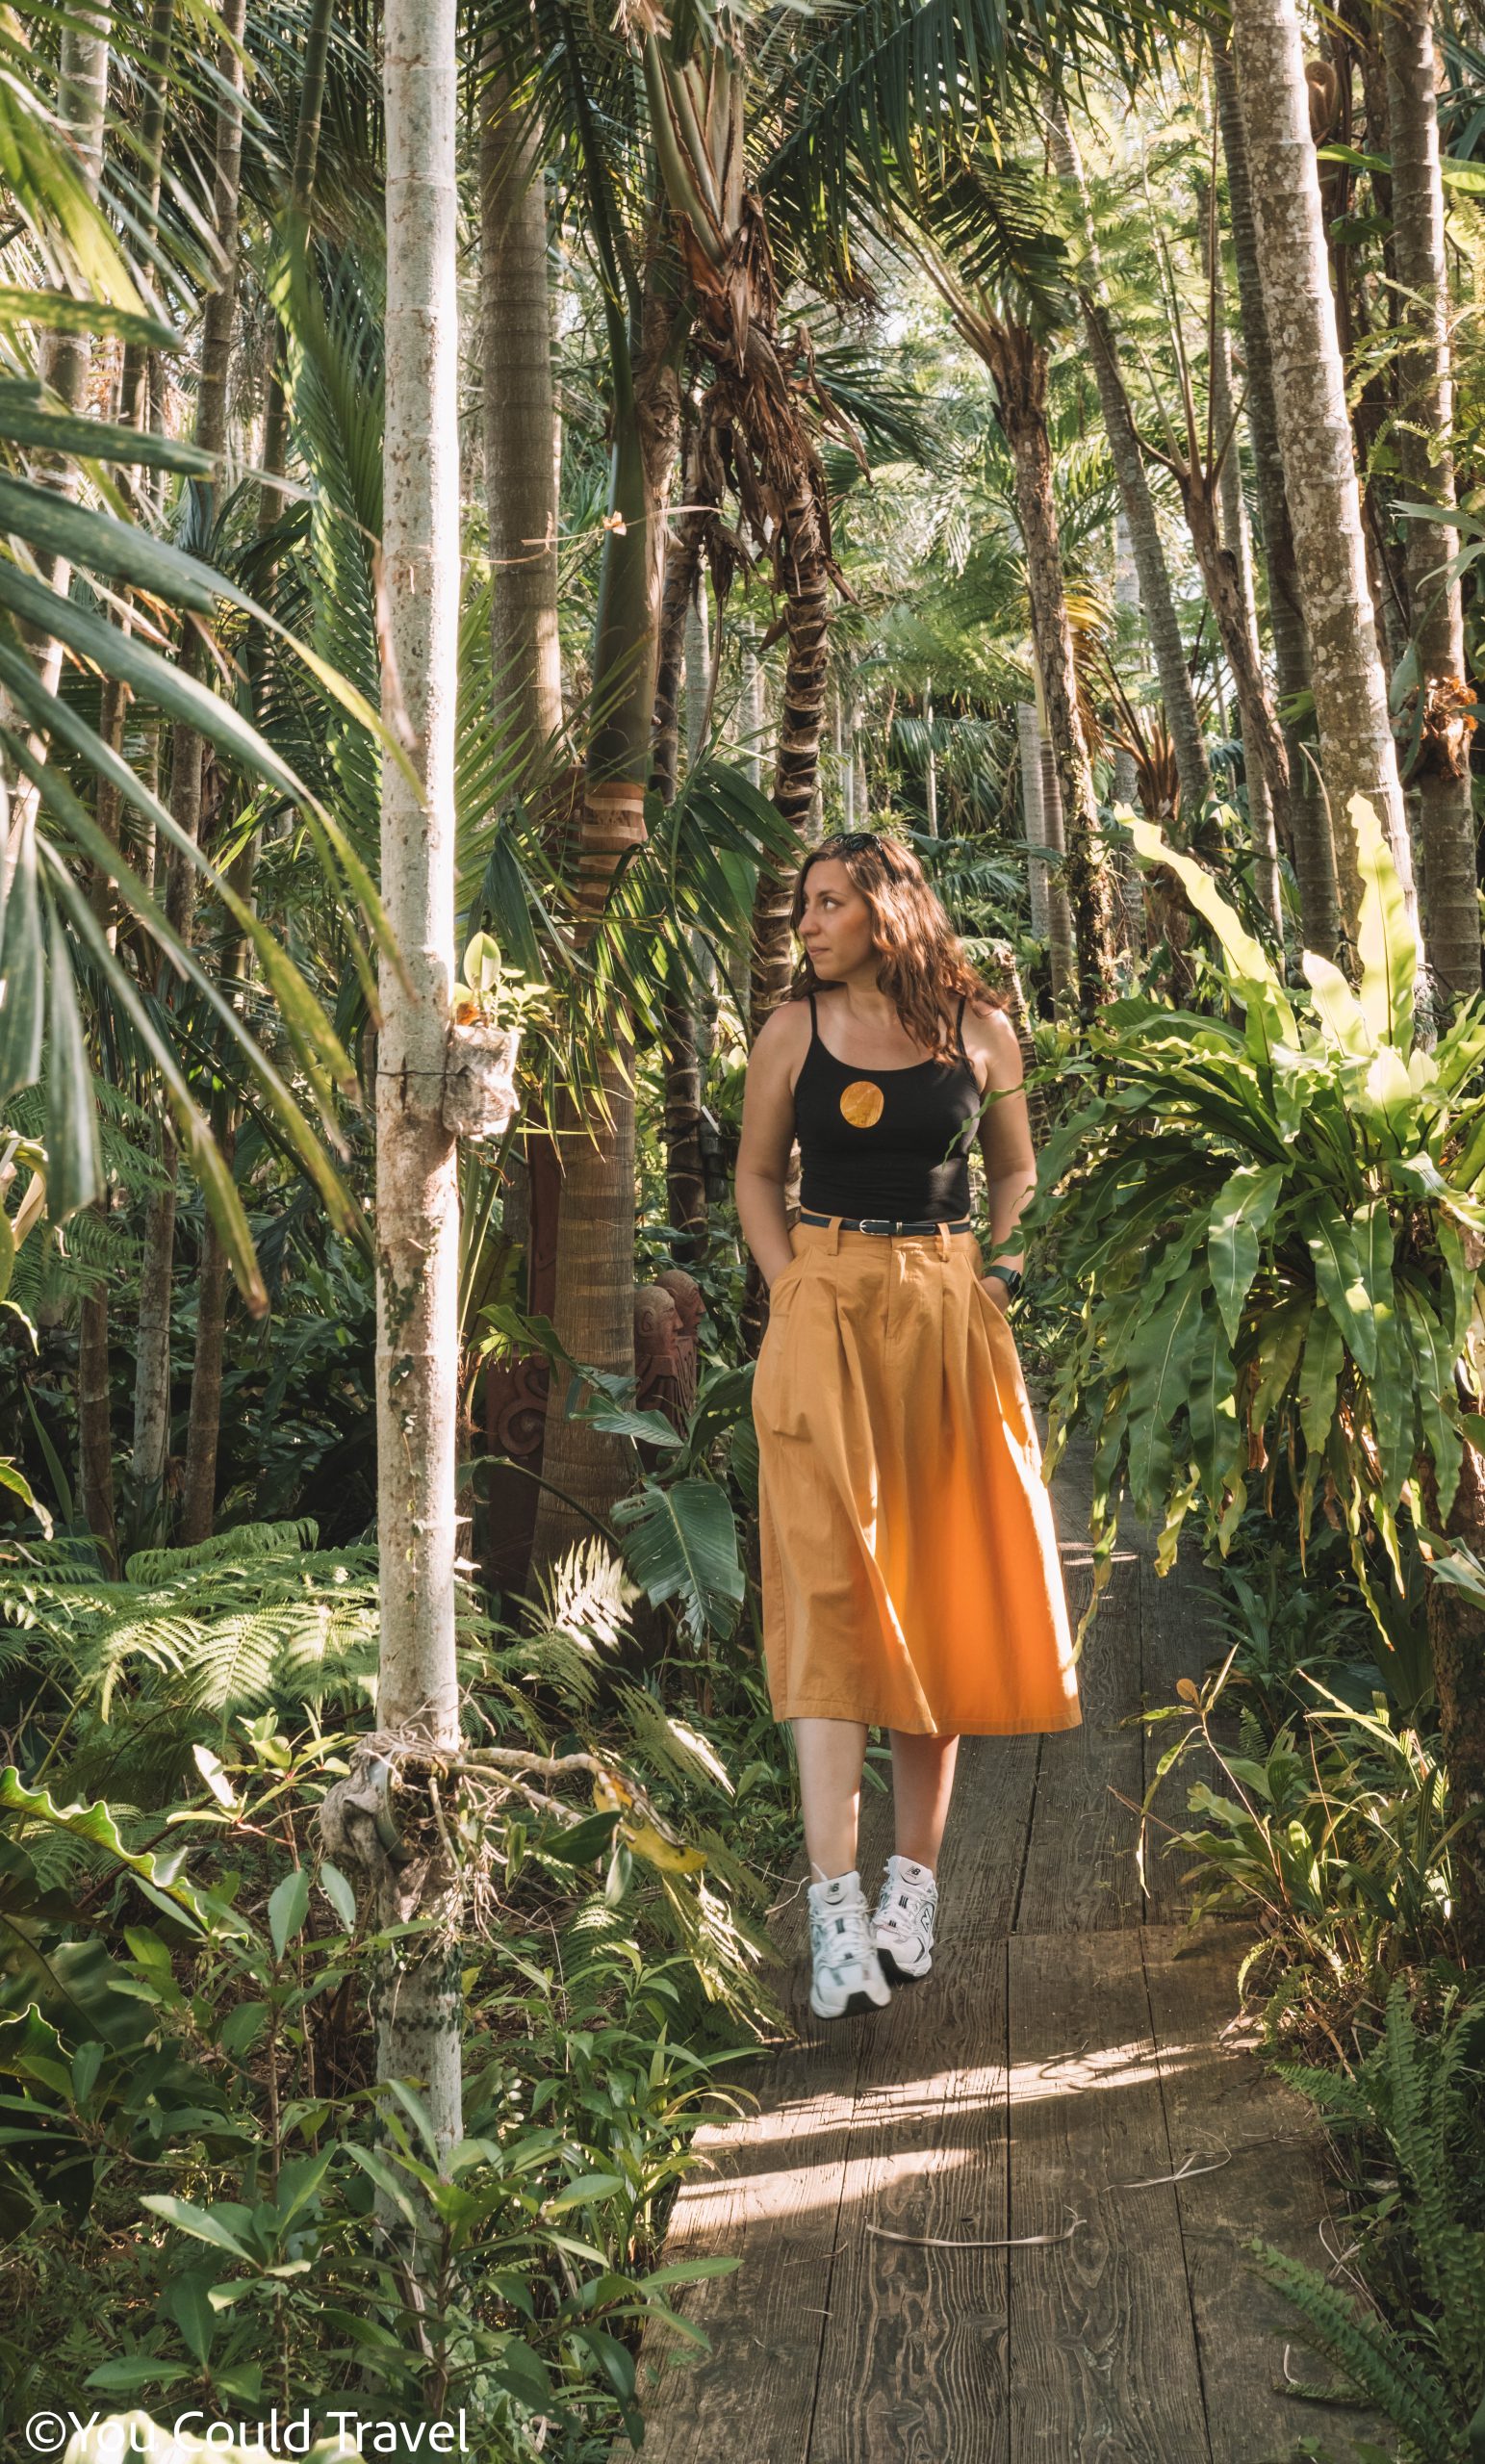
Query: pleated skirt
x=910 y=1575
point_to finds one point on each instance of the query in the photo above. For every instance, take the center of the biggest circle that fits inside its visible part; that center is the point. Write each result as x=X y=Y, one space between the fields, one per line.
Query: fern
x=1373 y=2362
x=1418 y=2087
x=254 y=1616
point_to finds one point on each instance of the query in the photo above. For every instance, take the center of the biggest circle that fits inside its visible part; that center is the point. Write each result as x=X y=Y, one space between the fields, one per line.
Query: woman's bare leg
x=832 y=1756
x=922 y=1784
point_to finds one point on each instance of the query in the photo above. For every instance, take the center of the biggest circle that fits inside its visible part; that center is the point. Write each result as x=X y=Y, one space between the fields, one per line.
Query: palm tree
x=521 y=485
x=417 y=1176
x=1358 y=756
x=991 y=222
x=1315 y=864
x=1156 y=599
x=1439 y=768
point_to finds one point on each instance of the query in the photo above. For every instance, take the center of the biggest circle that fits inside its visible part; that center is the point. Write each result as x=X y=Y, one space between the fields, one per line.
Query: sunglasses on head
x=849 y=842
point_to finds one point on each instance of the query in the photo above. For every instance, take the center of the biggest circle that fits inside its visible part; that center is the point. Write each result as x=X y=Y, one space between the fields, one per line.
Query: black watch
x=1011 y=1276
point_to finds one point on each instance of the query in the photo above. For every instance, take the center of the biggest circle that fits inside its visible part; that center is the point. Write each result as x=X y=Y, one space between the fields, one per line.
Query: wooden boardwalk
x=1074 y=2048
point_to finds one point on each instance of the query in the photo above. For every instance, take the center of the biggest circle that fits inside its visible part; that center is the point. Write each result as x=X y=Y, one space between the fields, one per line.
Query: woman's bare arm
x=767 y=1137
x=1004 y=1135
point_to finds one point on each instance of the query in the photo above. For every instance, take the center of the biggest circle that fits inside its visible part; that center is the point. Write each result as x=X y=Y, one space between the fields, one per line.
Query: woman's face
x=835 y=926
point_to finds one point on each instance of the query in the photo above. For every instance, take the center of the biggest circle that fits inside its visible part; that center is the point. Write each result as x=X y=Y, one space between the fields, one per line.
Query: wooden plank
x=1103 y=2355
x=1219 y=2095
x=985 y=1839
x=1081 y=1874
x=913 y=2366
x=1178 y=1642
x=1109 y=1670
x=770 y=2196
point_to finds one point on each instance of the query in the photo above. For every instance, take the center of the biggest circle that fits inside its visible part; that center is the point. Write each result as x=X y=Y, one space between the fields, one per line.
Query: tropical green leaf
x=680 y=1543
x=95 y=1824
x=1248 y=962
x=22 y=968
x=288 y=1908
x=1339 y=1275
x=100 y=440
x=1216 y=1437
x=1242 y=1209
x=1341 y=1015
x=1159 y=1360
x=200 y=1147
x=199 y=2221
x=1319 y=1371
x=1433 y=1365
x=1282 y=1342
x=54 y=312
x=1386 y=941
x=74 y=1171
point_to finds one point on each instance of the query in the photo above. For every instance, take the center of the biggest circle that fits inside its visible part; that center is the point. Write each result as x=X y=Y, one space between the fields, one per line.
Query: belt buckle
x=878 y=1223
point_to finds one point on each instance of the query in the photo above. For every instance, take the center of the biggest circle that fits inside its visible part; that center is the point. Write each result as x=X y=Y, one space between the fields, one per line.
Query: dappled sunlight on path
x=1003 y=2220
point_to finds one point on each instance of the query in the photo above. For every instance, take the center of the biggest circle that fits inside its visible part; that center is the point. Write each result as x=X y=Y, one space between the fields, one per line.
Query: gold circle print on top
x=861 y=1102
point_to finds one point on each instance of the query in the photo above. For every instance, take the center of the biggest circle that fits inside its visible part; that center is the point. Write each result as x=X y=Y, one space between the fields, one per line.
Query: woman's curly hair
x=921 y=958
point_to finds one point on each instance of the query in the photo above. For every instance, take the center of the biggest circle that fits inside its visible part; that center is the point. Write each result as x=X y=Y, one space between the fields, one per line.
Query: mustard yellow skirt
x=910 y=1561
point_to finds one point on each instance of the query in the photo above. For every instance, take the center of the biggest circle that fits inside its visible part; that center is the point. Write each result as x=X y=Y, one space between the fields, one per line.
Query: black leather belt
x=884 y=1223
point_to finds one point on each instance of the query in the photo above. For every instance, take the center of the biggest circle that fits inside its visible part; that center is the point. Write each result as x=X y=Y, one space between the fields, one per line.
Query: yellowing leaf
x=647 y=1842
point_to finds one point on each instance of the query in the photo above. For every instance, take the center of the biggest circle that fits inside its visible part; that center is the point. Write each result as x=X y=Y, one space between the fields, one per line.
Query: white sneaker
x=847 y=1971
x=902 y=1926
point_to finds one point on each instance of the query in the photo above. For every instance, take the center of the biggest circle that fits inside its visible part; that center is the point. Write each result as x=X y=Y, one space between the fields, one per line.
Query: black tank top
x=892 y=1143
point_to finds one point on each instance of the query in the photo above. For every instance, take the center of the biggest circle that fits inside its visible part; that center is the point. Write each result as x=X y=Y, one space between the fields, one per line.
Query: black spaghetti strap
x=959 y=1028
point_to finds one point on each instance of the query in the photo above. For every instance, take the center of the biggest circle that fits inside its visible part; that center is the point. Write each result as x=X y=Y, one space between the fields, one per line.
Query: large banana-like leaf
x=1342 y=1018
x=1319 y=1371
x=1160 y=1361
x=1248 y=963
x=1337 y=1273
x=1216 y=1434
x=1432 y=1367
x=1386 y=941
x=1242 y=1209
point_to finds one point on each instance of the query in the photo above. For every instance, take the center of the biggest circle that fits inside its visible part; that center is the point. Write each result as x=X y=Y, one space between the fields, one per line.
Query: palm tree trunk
x=805 y=566
x=930 y=762
x=1456 y=1645
x=152 y=1366
x=1425 y=434
x=301 y=185
x=1139 y=504
x=83 y=105
x=1062 y=944
x=1034 y=819
x=521 y=496
x=1263 y=744
x=592 y=1309
x=1357 y=752
x=94 y=1422
x=1019 y=367
x=1315 y=864
x=188 y=769
x=418 y=1990
x=682 y=601
x=198 y=1501
x=135 y=401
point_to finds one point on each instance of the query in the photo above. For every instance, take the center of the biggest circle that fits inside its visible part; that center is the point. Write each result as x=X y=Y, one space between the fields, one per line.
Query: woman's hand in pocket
x=995 y=1286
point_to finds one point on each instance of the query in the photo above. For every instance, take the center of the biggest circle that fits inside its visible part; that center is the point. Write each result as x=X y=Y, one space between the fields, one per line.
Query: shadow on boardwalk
x=1074 y=2048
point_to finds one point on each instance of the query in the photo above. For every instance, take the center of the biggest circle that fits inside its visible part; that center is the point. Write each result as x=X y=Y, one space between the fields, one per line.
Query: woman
x=909 y=1565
